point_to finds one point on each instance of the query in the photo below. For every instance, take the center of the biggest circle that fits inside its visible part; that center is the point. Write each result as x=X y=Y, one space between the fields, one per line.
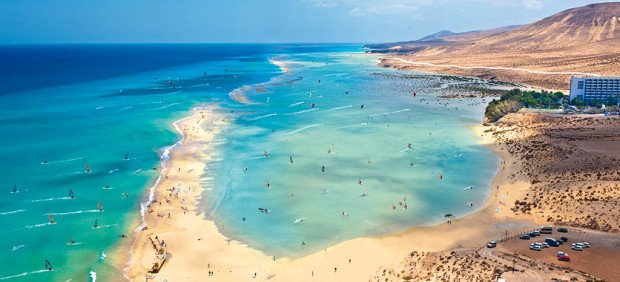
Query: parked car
x=586 y=244
x=524 y=237
x=552 y=242
x=562 y=229
x=564 y=257
x=536 y=233
x=545 y=244
x=561 y=254
x=559 y=241
x=492 y=244
x=563 y=238
x=577 y=246
x=536 y=247
x=546 y=230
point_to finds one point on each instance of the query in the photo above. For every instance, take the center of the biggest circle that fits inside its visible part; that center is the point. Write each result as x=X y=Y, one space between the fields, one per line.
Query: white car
x=545 y=245
x=536 y=247
x=586 y=244
x=577 y=246
x=561 y=254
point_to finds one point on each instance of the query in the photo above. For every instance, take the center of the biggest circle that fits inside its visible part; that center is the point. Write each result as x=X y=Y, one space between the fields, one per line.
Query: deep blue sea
x=94 y=119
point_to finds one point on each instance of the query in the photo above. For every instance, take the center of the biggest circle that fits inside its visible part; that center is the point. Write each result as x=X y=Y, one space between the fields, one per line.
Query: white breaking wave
x=74 y=212
x=302 y=129
x=301 y=112
x=63 y=161
x=39 y=225
x=11 y=212
x=338 y=108
x=50 y=199
x=24 y=274
x=296 y=104
x=354 y=125
x=104 y=226
x=124 y=109
x=389 y=113
x=163 y=107
x=264 y=116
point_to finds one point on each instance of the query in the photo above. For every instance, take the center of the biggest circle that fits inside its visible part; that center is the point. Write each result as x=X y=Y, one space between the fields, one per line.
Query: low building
x=595 y=89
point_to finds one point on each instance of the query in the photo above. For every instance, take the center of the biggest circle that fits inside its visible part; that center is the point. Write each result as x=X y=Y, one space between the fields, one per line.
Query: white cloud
x=326 y=3
x=383 y=8
x=533 y=4
x=360 y=8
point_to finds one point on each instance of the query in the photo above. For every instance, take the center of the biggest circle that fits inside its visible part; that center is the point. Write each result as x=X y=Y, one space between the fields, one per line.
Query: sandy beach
x=196 y=249
x=195 y=246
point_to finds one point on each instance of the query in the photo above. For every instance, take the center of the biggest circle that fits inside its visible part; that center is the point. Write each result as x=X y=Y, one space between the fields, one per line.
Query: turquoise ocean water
x=65 y=107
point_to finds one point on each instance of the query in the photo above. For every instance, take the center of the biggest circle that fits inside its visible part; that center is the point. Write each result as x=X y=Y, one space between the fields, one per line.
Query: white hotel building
x=595 y=89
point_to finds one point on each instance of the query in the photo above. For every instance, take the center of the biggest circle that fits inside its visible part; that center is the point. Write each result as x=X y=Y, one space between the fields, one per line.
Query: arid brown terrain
x=579 y=41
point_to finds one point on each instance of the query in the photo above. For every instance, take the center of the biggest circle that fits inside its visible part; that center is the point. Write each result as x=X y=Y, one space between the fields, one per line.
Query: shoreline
x=190 y=238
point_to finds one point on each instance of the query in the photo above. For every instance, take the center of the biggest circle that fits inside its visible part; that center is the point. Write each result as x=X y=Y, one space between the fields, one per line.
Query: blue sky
x=168 y=21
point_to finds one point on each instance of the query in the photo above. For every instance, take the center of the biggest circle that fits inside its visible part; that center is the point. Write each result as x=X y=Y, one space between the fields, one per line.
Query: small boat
x=264 y=210
x=300 y=220
x=51 y=219
x=99 y=206
x=87 y=168
x=48 y=265
x=71 y=195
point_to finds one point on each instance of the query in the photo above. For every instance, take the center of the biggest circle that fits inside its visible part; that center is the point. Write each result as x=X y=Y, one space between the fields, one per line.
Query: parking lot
x=601 y=259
